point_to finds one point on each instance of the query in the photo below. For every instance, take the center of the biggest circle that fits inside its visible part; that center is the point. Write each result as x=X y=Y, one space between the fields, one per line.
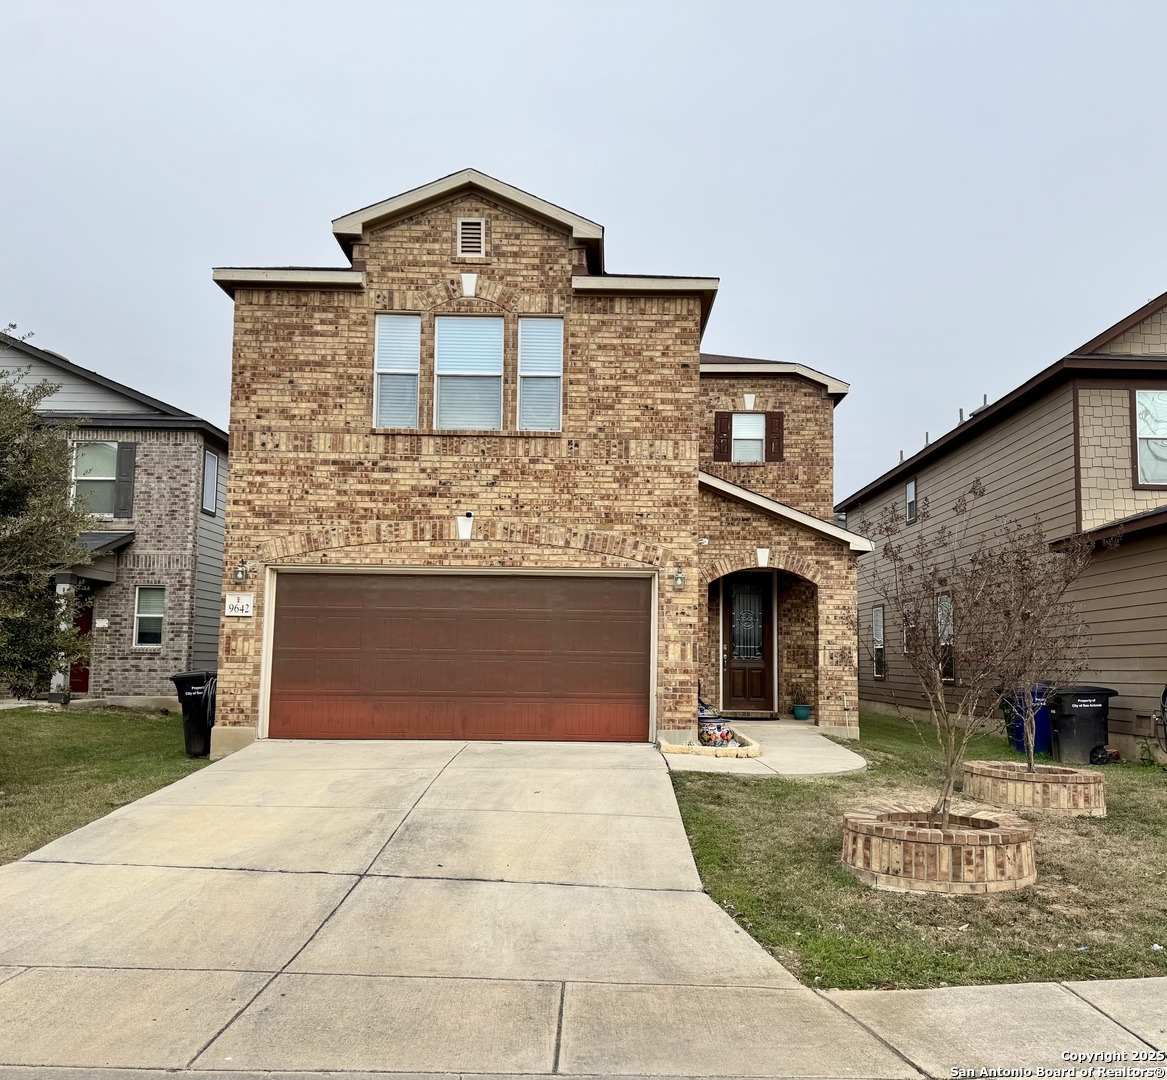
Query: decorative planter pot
x=892 y=847
x=1054 y=788
x=713 y=731
x=801 y=712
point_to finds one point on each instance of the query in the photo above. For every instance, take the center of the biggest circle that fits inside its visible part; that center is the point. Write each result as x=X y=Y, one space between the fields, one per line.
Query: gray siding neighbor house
x=1082 y=447
x=155 y=479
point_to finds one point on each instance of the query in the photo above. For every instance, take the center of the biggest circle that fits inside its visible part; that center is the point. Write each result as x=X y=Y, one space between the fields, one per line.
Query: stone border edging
x=884 y=845
x=1053 y=788
x=749 y=748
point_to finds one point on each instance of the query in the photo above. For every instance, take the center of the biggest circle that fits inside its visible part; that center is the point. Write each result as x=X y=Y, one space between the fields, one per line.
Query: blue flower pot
x=801 y=712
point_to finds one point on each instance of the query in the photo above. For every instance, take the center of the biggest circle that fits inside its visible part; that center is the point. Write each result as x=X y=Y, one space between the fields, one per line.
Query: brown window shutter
x=774 y=436
x=123 y=489
x=722 y=425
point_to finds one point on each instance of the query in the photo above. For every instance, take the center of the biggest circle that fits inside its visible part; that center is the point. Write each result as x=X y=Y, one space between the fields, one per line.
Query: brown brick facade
x=313 y=483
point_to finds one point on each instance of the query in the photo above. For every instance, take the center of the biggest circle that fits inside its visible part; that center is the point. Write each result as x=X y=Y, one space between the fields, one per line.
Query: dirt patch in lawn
x=61 y=769
x=768 y=851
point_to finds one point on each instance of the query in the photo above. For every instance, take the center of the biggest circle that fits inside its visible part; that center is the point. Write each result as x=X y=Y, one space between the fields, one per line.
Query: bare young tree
x=984 y=613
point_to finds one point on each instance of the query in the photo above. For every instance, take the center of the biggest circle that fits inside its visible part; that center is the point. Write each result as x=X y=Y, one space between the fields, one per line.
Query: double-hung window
x=945 y=636
x=468 y=366
x=910 y=501
x=95 y=476
x=540 y=374
x=1151 y=432
x=397 y=364
x=749 y=436
x=879 y=669
x=210 y=482
x=149 y=611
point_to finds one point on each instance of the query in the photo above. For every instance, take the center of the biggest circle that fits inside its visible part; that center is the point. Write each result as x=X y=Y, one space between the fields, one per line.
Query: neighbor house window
x=878 y=660
x=909 y=614
x=910 y=501
x=747 y=436
x=1151 y=433
x=468 y=365
x=148 y=614
x=210 y=481
x=95 y=476
x=397 y=361
x=540 y=374
x=945 y=636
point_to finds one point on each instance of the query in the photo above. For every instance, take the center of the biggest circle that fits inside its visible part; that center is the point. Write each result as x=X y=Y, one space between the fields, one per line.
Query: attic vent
x=472 y=236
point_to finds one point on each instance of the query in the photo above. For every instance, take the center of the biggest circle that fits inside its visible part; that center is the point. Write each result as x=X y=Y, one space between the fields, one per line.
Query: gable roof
x=350 y=227
x=164 y=415
x=780 y=510
x=717 y=364
x=1122 y=326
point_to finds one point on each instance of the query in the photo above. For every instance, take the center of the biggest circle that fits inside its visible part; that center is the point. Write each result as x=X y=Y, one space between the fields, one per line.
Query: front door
x=83 y=621
x=747 y=607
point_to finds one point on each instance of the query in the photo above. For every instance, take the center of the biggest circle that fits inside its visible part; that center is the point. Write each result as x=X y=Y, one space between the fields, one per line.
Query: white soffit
x=230 y=278
x=351 y=226
x=853 y=540
x=603 y=283
x=832 y=385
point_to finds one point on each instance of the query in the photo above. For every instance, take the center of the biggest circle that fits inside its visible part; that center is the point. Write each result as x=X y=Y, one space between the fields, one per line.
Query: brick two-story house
x=155 y=478
x=1082 y=447
x=482 y=488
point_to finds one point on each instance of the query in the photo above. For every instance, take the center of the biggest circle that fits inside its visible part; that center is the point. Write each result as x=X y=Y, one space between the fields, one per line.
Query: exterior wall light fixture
x=679 y=579
x=241 y=572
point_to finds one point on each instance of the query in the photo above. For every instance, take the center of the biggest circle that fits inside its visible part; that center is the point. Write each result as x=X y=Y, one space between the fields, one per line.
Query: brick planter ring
x=892 y=847
x=1072 y=792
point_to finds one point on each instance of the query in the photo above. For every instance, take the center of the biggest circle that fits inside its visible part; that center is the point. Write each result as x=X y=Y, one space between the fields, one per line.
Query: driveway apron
x=426 y=907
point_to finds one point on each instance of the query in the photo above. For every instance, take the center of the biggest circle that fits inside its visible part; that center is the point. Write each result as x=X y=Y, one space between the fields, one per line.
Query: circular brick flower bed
x=893 y=847
x=1073 y=792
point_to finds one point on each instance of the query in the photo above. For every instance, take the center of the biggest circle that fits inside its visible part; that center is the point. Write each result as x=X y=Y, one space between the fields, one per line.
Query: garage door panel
x=460 y=656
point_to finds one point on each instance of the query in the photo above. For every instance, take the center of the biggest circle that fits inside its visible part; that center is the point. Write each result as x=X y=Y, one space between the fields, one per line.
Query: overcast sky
x=929 y=200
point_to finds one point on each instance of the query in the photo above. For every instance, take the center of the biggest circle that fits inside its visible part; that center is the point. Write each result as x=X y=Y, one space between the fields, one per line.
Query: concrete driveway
x=409 y=906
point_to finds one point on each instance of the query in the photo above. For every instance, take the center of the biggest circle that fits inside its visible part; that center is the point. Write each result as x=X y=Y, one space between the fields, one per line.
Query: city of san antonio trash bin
x=196 y=691
x=1079 y=715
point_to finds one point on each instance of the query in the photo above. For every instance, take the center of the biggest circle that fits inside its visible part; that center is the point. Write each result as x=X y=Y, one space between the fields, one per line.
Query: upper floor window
x=1151 y=434
x=540 y=374
x=468 y=370
x=103 y=478
x=210 y=482
x=748 y=436
x=910 y=501
x=397 y=365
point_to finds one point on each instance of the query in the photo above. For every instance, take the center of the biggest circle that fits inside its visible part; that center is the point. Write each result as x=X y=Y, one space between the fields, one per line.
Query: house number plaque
x=240 y=604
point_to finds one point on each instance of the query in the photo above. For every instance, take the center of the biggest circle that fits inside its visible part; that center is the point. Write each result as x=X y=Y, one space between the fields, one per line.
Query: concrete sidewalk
x=449 y=908
x=789 y=748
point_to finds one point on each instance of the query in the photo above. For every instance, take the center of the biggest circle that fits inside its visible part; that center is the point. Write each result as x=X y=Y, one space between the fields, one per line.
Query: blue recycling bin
x=1043 y=736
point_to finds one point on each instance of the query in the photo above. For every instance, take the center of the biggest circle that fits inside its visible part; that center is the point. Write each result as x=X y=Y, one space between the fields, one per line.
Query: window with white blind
x=540 y=374
x=468 y=369
x=149 y=611
x=749 y=436
x=397 y=360
x=878 y=657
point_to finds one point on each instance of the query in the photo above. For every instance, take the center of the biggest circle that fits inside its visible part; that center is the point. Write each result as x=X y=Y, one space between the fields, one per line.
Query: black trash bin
x=196 y=691
x=1078 y=716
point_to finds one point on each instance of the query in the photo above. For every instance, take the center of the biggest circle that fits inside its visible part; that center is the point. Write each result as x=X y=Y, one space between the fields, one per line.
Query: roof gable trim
x=854 y=541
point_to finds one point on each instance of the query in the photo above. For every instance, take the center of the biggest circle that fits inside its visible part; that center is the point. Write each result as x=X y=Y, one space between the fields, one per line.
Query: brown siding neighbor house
x=1082 y=447
x=474 y=493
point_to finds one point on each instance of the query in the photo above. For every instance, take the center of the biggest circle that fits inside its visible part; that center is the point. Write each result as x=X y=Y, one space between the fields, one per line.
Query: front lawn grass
x=768 y=852
x=60 y=770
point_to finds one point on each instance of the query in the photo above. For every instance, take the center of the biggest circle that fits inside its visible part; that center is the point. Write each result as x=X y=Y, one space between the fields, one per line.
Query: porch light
x=679 y=579
x=763 y=556
x=241 y=572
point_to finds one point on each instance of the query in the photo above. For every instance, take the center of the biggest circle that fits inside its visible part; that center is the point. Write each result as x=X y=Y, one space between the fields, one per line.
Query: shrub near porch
x=768 y=852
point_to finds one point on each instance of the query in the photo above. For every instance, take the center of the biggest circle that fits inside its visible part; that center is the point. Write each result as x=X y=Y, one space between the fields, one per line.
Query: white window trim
x=912 y=504
x=211 y=511
x=521 y=376
x=501 y=376
x=747 y=461
x=471 y=254
x=417 y=374
x=878 y=644
x=137 y=599
x=73 y=475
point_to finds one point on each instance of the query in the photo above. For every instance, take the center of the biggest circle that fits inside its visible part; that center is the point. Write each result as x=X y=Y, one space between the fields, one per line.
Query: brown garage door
x=453 y=656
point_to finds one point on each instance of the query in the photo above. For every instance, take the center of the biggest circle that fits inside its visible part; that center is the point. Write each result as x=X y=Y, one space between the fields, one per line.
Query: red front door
x=79 y=673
